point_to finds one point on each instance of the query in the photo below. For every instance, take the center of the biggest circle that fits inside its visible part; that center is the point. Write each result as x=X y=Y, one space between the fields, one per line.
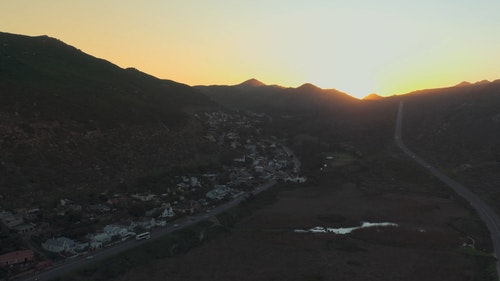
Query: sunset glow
x=359 y=47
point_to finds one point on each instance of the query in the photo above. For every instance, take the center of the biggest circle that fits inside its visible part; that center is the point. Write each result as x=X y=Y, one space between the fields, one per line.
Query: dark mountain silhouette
x=462 y=88
x=459 y=129
x=70 y=121
x=252 y=83
x=45 y=76
x=275 y=99
x=464 y=83
x=308 y=87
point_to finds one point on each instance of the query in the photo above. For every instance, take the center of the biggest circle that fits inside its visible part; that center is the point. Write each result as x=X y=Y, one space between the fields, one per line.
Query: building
x=81 y=246
x=161 y=223
x=295 y=179
x=103 y=238
x=99 y=208
x=16 y=257
x=113 y=230
x=144 y=197
x=188 y=207
x=167 y=213
x=259 y=169
x=218 y=192
x=10 y=220
x=24 y=228
x=57 y=245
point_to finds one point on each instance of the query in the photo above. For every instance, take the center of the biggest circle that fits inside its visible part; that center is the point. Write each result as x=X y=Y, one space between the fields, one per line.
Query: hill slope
x=45 y=76
x=70 y=121
x=458 y=128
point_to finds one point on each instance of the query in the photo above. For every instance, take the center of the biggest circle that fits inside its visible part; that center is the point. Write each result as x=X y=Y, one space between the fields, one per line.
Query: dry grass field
x=427 y=244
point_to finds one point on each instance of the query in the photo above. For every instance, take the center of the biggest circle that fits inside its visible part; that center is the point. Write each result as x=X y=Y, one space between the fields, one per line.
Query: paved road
x=490 y=218
x=296 y=160
x=74 y=264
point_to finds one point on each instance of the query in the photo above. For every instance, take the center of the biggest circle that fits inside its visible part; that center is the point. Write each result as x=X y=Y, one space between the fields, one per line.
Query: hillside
x=70 y=121
x=465 y=118
x=46 y=77
x=458 y=128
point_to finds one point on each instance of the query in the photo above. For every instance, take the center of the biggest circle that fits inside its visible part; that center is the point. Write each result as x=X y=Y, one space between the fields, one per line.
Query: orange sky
x=358 y=46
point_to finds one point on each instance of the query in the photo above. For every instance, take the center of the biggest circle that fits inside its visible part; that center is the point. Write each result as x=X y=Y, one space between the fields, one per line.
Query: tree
x=137 y=209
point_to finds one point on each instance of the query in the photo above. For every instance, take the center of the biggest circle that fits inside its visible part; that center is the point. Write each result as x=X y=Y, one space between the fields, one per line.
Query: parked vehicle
x=144 y=235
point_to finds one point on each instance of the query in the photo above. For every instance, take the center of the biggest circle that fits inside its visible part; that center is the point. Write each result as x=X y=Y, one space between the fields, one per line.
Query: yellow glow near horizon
x=359 y=47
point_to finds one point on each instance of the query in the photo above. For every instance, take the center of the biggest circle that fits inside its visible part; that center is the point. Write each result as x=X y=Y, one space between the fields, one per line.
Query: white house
x=11 y=220
x=167 y=213
x=113 y=230
x=144 y=197
x=103 y=238
x=95 y=245
x=161 y=223
x=81 y=246
x=296 y=179
x=60 y=244
x=259 y=169
x=195 y=182
x=218 y=192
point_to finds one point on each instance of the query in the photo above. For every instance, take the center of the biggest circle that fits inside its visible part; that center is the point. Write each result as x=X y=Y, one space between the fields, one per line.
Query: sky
x=356 y=46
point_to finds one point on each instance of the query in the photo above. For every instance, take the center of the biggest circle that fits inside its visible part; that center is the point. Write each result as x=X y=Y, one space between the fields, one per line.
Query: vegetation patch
x=345 y=244
x=332 y=218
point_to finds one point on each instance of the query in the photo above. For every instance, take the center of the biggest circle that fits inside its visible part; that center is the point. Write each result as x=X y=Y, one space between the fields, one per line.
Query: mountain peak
x=252 y=83
x=372 y=96
x=464 y=83
x=308 y=87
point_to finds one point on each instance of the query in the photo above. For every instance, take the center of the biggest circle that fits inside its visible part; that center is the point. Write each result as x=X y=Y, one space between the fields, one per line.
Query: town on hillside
x=34 y=238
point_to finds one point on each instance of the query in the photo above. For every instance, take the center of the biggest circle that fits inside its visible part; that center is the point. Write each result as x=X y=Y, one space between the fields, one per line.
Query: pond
x=345 y=230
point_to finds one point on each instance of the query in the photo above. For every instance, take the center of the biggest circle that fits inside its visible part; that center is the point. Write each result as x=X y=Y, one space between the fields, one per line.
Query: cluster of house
x=262 y=168
x=16 y=222
x=223 y=127
x=260 y=160
x=111 y=233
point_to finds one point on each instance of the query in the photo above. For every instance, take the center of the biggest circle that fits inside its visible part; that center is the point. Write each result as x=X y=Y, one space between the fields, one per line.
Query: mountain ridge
x=48 y=72
x=274 y=99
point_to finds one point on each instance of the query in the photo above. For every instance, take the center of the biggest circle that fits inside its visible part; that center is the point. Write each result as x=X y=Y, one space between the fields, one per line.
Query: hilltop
x=372 y=97
x=252 y=83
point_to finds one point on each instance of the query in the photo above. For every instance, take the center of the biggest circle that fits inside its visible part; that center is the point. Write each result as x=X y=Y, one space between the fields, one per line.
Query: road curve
x=489 y=217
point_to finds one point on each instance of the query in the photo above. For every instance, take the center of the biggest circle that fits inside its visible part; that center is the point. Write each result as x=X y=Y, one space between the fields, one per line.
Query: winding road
x=489 y=217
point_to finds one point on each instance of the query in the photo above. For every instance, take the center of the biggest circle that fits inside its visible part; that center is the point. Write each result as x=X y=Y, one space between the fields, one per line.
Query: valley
x=222 y=176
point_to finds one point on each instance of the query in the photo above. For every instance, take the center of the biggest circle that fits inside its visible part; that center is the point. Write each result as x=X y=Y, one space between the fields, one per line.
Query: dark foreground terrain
x=427 y=245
